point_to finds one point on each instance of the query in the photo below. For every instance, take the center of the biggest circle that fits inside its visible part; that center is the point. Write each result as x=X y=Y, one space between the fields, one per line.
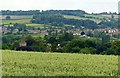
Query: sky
x=90 y=6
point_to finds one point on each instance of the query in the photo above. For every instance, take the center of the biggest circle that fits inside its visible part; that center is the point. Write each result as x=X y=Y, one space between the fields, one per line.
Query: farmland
x=18 y=16
x=22 y=21
x=17 y=19
x=36 y=25
x=57 y=64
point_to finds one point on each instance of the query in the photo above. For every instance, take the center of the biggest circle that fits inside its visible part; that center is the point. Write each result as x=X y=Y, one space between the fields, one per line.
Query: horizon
x=93 y=6
x=57 y=9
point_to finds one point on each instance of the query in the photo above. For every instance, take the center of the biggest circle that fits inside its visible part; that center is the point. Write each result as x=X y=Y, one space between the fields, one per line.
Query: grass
x=36 y=25
x=57 y=64
x=18 y=16
x=96 y=19
x=74 y=17
x=21 y=21
x=37 y=35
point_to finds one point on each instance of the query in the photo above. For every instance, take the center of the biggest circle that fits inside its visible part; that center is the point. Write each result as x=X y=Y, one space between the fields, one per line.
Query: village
x=46 y=31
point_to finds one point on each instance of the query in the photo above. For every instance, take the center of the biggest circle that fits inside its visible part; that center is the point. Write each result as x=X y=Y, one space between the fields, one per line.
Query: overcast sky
x=89 y=6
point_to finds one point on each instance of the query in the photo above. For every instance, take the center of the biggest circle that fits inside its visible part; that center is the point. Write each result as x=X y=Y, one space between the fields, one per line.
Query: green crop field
x=22 y=21
x=74 y=17
x=37 y=25
x=96 y=19
x=18 y=16
x=57 y=64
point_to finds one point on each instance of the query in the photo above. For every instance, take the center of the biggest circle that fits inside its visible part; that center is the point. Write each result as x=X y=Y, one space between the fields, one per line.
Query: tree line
x=33 y=12
x=59 y=20
x=62 y=43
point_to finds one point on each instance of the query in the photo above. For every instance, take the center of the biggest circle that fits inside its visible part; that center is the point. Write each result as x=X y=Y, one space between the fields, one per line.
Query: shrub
x=88 y=50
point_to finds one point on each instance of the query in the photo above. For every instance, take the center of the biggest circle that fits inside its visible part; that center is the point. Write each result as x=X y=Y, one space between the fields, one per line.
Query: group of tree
x=32 y=12
x=62 y=43
x=20 y=12
x=59 y=20
x=65 y=12
x=18 y=27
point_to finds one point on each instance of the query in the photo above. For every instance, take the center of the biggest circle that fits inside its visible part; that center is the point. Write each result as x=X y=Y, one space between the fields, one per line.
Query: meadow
x=96 y=19
x=24 y=63
x=22 y=19
x=18 y=16
x=37 y=25
x=13 y=21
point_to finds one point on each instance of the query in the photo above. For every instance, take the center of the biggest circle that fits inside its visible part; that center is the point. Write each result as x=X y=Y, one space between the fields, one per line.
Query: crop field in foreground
x=23 y=63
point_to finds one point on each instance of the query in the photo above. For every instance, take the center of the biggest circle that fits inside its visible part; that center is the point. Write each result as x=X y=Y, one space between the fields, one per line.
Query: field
x=37 y=25
x=96 y=19
x=57 y=64
x=74 y=17
x=13 y=21
x=26 y=19
x=18 y=16
x=23 y=19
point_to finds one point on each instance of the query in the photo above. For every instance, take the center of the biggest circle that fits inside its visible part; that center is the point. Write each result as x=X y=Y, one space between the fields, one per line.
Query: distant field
x=17 y=19
x=95 y=16
x=24 y=21
x=18 y=16
x=74 y=17
x=97 y=19
x=36 y=25
x=109 y=16
x=37 y=35
x=57 y=64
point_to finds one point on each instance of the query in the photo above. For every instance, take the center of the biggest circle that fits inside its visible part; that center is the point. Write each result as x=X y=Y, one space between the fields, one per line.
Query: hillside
x=57 y=64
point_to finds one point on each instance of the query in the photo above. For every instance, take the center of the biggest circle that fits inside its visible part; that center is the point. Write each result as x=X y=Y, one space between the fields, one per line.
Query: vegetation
x=37 y=25
x=57 y=64
x=13 y=21
x=32 y=12
x=63 y=43
x=59 y=43
x=60 y=21
x=53 y=31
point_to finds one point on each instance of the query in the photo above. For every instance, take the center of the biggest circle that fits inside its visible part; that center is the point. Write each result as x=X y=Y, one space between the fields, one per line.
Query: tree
x=88 y=50
x=29 y=40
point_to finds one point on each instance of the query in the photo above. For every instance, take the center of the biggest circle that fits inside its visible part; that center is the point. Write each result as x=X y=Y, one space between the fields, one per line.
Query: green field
x=22 y=21
x=18 y=16
x=75 y=17
x=57 y=64
x=96 y=19
x=37 y=25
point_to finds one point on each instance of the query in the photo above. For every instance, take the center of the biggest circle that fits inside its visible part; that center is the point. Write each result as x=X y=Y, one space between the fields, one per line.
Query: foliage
x=22 y=63
x=59 y=20
x=63 y=43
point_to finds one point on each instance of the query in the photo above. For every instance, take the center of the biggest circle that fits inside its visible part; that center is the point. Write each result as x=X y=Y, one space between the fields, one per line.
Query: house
x=22 y=43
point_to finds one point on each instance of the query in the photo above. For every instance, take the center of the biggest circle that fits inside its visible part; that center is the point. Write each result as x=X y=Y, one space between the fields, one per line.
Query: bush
x=88 y=50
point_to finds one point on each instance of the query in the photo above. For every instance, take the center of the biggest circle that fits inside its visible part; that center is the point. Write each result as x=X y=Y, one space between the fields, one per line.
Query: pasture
x=21 y=21
x=74 y=17
x=23 y=63
x=96 y=19
x=37 y=25
x=18 y=16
